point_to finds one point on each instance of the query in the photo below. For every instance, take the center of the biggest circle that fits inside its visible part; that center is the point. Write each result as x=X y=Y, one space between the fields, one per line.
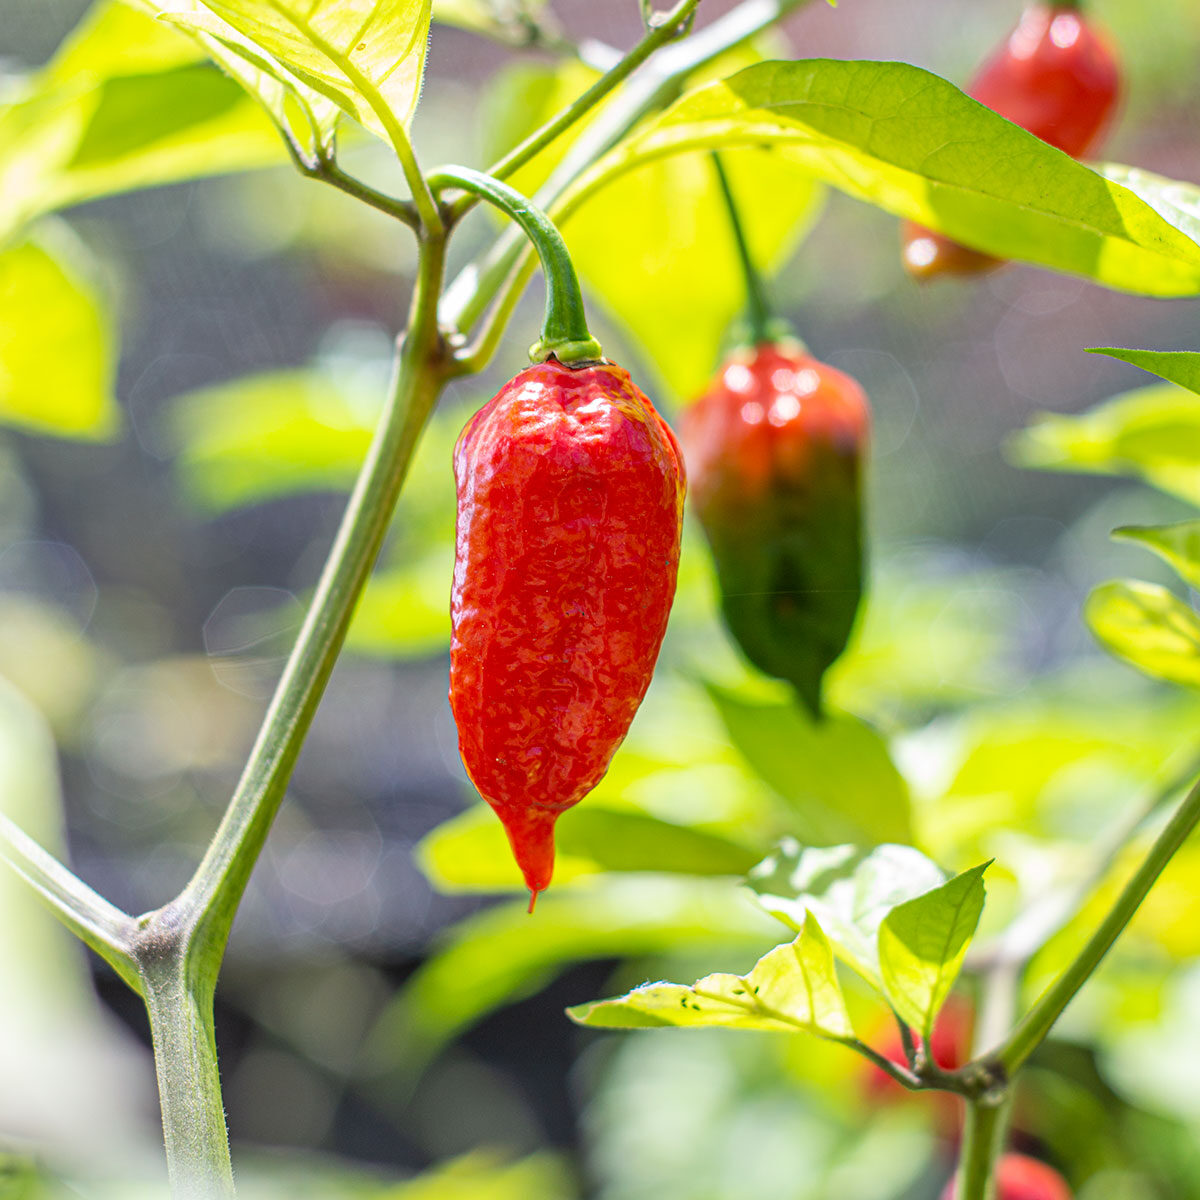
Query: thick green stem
x=565 y=332
x=189 y=1085
x=760 y=323
x=212 y=896
x=984 y=1135
x=1037 y=1023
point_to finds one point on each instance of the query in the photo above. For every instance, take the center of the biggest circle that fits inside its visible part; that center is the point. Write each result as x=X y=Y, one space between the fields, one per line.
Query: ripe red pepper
x=570 y=508
x=1022 y=1178
x=774 y=450
x=1057 y=76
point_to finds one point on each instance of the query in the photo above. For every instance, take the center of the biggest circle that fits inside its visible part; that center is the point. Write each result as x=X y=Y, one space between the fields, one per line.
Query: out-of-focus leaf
x=57 y=357
x=504 y=954
x=405 y=610
x=124 y=104
x=656 y=248
x=503 y=18
x=1177 y=201
x=1175 y=366
x=922 y=944
x=269 y=435
x=835 y=772
x=470 y=852
x=913 y=144
x=482 y=1176
x=1178 y=543
x=1152 y=433
x=848 y=889
x=793 y=987
x=1149 y=627
x=367 y=56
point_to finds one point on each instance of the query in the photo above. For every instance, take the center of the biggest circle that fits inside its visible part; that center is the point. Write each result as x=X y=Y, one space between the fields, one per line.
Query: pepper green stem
x=565 y=333
x=761 y=324
x=984 y=1135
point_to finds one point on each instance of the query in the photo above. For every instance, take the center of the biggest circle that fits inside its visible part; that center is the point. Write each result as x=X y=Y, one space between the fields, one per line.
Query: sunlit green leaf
x=470 y=852
x=57 y=357
x=124 y=104
x=367 y=56
x=1175 y=366
x=1149 y=627
x=848 y=889
x=504 y=954
x=836 y=772
x=1152 y=433
x=793 y=987
x=913 y=144
x=922 y=944
x=656 y=249
x=482 y=1176
x=1178 y=543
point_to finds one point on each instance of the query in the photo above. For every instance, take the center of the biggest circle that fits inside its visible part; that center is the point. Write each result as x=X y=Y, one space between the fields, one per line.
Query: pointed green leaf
x=367 y=56
x=913 y=144
x=57 y=357
x=1178 y=543
x=848 y=889
x=1175 y=366
x=1149 y=627
x=922 y=944
x=470 y=852
x=793 y=987
x=1152 y=433
x=836 y=773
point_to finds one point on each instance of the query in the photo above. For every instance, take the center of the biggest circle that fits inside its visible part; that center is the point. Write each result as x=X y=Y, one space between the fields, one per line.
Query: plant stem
x=564 y=329
x=189 y=1085
x=537 y=141
x=1037 y=1023
x=759 y=319
x=984 y=1135
x=213 y=894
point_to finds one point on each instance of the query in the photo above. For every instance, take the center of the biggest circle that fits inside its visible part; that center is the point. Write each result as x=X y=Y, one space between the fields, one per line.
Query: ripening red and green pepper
x=1057 y=76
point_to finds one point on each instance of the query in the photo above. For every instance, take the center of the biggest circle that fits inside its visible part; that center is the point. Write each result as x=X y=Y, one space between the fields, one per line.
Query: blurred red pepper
x=774 y=451
x=1057 y=76
x=1022 y=1178
x=570 y=506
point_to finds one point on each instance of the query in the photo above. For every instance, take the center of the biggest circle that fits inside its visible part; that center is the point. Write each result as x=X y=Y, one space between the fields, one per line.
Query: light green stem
x=984 y=1135
x=1037 y=1023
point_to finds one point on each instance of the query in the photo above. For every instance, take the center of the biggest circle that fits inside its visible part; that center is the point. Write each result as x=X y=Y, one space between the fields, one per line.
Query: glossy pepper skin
x=570 y=508
x=774 y=449
x=1056 y=76
x=1022 y=1178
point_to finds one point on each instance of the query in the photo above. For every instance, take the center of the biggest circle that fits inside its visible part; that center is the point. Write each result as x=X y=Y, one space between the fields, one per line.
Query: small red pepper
x=1021 y=1178
x=774 y=450
x=570 y=507
x=1057 y=76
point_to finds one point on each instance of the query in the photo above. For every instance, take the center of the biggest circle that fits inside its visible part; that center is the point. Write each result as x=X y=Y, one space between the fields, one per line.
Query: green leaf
x=503 y=954
x=848 y=889
x=656 y=249
x=470 y=852
x=367 y=56
x=913 y=144
x=57 y=352
x=1178 y=543
x=499 y=18
x=793 y=987
x=836 y=773
x=922 y=944
x=405 y=611
x=1152 y=433
x=1149 y=627
x=1175 y=366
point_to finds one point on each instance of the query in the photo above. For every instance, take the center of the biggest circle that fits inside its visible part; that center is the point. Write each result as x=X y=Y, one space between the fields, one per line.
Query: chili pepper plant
x=817 y=892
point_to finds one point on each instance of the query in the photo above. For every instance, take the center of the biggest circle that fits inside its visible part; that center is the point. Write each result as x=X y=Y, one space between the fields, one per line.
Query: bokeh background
x=374 y=1025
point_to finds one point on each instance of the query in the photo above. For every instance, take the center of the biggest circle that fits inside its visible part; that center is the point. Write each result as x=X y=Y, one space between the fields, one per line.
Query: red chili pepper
x=1056 y=76
x=774 y=451
x=570 y=506
x=1022 y=1178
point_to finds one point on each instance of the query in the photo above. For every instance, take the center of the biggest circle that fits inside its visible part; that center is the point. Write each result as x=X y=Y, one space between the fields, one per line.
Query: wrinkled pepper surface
x=774 y=452
x=1057 y=76
x=570 y=506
